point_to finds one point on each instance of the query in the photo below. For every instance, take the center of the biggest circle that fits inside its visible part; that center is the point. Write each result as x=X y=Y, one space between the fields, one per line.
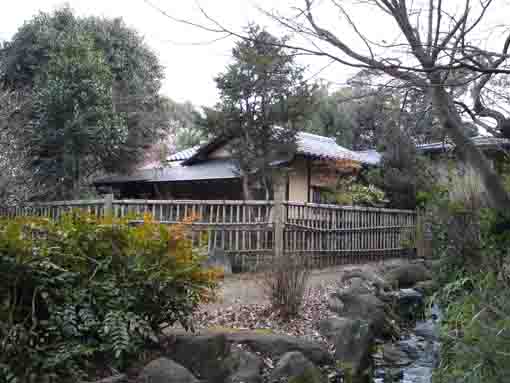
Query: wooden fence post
x=279 y=181
x=423 y=236
x=108 y=205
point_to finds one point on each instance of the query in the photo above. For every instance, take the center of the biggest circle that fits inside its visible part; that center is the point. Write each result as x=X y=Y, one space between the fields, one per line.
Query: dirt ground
x=248 y=288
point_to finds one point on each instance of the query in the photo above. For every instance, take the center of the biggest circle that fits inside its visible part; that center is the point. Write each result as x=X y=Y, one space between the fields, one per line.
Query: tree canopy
x=437 y=47
x=263 y=103
x=91 y=87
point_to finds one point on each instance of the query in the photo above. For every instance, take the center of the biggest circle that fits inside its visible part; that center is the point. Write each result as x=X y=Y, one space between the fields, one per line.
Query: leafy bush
x=351 y=190
x=83 y=290
x=473 y=267
x=403 y=172
x=361 y=195
x=285 y=284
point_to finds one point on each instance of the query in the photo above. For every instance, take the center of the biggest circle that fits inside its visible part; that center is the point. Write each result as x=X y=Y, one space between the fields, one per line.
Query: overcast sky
x=190 y=69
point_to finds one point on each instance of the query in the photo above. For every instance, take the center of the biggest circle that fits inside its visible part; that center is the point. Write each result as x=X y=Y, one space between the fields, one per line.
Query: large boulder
x=164 y=370
x=358 y=286
x=353 y=341
x=296 y=368
x=407 y=274
x=246 y=367
x=366 y=307
x=394 y=355
x=410 y=304
x=204 y=355
x=335 y=304
x=275 y=345
x=369 y=277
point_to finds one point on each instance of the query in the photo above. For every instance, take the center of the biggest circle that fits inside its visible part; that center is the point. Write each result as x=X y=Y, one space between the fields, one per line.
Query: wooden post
x=108 y=205
x=423 y=236
x=279 y=182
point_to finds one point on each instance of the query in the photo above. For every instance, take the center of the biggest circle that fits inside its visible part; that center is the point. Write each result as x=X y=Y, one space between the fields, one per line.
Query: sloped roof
x=184 y=154
x=322 y=147
x=193 y=167
x=214 y=169
x=308 y=144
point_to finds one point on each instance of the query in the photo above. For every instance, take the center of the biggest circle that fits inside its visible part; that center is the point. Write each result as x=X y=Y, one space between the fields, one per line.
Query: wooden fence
x=253 y=231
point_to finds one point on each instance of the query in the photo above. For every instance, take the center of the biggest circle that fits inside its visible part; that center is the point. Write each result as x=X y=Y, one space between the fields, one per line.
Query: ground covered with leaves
x=261 y=316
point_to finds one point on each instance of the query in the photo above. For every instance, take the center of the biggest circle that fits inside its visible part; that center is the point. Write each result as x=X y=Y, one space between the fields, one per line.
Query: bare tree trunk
x=247 y=193
x=453 y=124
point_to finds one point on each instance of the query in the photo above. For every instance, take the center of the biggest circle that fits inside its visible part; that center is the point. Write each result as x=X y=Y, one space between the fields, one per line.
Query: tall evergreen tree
x=263 y=103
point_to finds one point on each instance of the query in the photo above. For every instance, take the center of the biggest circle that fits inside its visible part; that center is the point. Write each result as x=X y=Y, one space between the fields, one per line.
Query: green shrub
x=361 y=195
x=473 y=269
x=84 y=290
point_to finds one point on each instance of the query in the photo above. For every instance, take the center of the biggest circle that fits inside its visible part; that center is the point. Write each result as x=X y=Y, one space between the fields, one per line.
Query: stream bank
x=413 y=358
x=368 y=325
x=401 y=337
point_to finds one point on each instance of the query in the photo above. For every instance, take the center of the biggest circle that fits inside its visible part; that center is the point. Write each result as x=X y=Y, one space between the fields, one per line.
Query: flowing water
x=418 y=354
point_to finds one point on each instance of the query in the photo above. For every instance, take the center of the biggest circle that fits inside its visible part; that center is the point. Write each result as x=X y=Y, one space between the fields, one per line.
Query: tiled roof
x=322 y=147
x=307 y=144
x=184 y=154
x=214 y=169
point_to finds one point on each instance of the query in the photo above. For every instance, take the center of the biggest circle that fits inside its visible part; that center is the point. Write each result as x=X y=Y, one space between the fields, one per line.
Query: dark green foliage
x=355 y=116
x=473 y=270
x=263 y=103
x=358 y=115
x=186 y=124
x=91 y=90
x=82 y=291
x=403 y=173
x=72 y=125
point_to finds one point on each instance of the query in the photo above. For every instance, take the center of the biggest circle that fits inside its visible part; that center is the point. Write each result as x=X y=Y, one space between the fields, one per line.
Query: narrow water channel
x=415 y=355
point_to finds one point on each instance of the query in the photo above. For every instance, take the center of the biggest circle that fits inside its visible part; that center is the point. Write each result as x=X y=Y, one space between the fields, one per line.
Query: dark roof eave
x=113 y=182
x=157 y=181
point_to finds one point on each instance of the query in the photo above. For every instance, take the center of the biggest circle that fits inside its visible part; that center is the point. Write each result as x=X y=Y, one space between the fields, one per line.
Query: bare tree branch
x=444 y=64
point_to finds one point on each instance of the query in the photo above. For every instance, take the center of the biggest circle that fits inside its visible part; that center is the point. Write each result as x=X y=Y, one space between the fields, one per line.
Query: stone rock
x=410 y=304
x=407 y=274
x=164 y=370
x=395 y=356
x=335 y=304
x=218 y=259
x=427 y=329
x=353 y=341
x=204 y=355
x=368 y=276
x=366 y=307
x=120 y=378
x=275 y=345
x=295 y=366
x=426 y=287
x=356 y=286
x=246 y=367
x=328 y=327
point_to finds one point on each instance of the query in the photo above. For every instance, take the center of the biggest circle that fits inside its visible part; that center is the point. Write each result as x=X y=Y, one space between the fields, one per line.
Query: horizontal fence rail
x=251 y=232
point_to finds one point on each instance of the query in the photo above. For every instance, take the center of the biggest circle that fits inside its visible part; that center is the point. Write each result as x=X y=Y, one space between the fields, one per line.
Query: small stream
x=413 y=358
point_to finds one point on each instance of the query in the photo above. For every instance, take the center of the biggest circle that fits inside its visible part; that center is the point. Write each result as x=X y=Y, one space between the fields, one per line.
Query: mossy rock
x=309 y=375
x=294 y=366
x=232 y=330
